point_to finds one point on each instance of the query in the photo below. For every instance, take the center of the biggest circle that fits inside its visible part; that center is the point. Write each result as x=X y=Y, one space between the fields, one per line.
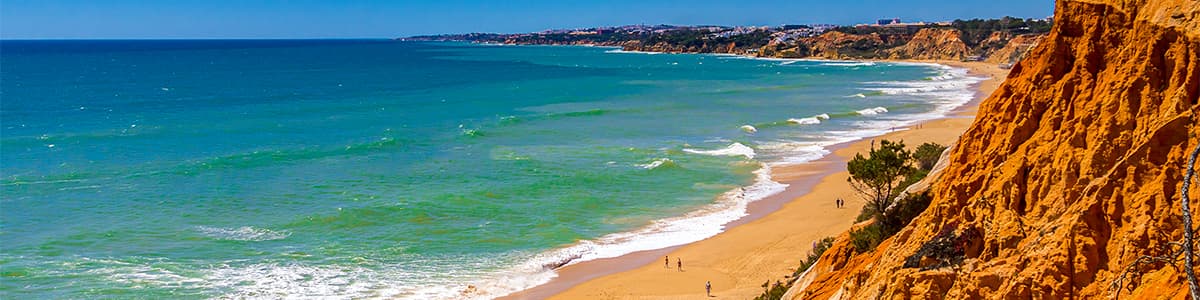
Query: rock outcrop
x=729 y=48
x=1012 y=50
x=1070 y=173
x=839 y=45
x=934 y=43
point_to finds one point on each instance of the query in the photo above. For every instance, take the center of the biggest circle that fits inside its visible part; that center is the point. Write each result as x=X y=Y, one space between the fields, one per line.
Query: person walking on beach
x=679 y=263
x=708 y=288
x=667 y=262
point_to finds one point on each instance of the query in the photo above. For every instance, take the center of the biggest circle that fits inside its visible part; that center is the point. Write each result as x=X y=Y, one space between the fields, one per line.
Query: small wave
x=131 y=270
x=795 y=152
x=260 y=158
x=848 y=64
x=859 y=95
x=510 y=120
x=290 y=280
x=805 y=121
x=658 y=163
x=748 y=129
x=735 y=149
x=631 y=52
x=872 y=111
x=470 y=132
x=810 y=120
x=244 y=233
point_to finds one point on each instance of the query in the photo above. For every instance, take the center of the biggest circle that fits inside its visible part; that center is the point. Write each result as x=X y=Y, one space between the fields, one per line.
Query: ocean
x=376 y=168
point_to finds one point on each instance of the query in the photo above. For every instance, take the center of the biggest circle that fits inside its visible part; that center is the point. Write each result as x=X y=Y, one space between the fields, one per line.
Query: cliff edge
x=1070 y=173
x=933 y=43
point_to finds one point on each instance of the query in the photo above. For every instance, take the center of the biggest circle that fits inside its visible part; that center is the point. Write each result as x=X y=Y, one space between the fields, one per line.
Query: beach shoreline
x=767 y=243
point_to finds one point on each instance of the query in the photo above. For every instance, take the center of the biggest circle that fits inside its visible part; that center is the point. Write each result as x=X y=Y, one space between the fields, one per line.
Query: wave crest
x=805 y=121
x=748 y=129
x=659 y=163
x=735 y=149
x=849 y=64
x=872 y=111
x=809 y=120
x=244 y=233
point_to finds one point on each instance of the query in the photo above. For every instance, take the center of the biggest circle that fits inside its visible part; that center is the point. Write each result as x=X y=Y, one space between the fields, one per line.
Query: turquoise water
x=368 y=168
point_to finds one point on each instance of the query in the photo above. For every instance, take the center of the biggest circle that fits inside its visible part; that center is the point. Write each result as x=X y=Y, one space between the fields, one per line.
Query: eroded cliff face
x=1071 y=171
x=729 y=48
x=936 y=43
x=1012 y=51
x=838 y=45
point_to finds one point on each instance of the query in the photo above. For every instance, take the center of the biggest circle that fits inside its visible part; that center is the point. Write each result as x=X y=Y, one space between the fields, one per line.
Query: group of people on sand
x=840 y=203
x=667 y=262
x=679 y=266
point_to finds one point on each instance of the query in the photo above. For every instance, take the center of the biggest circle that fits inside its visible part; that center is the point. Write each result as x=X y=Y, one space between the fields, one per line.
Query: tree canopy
x=878 y=176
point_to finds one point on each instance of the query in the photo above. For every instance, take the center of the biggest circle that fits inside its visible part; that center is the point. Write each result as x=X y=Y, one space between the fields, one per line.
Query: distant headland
x=1001 y=41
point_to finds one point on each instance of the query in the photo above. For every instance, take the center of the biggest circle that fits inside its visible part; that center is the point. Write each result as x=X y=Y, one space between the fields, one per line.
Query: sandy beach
x=770 y=242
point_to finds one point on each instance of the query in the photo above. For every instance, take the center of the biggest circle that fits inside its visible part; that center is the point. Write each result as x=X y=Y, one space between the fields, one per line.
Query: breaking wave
x=735 y=149
x=872 y=111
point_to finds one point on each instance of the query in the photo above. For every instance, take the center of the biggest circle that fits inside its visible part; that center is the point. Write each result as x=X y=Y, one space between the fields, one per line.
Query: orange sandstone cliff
x=933 y=43
x=1070 y=173
x=1012 y=51
x=839 y=45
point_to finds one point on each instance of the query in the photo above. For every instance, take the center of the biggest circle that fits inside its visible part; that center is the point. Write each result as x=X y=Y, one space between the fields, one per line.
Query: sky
x=131 y=19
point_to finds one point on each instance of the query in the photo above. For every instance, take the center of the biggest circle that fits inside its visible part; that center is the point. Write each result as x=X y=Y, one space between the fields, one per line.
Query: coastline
x=775 y=234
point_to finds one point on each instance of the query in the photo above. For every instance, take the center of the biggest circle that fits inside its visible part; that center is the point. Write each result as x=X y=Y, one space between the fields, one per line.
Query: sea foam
x=848 y=64
x=735 y=149
x=805 y=121
x=748 y=129
x=244 y=233
x=872 y=111
x=658 y=163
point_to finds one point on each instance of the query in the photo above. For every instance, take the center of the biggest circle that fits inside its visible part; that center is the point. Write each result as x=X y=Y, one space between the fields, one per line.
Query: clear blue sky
x=23 y=19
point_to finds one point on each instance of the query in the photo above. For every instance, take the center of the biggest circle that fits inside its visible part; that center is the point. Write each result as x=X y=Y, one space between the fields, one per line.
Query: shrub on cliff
x=927 y=155
x=814 y=255
x=944 y=250
x=866 y=238
x=878 y=176
x=904 y=211
x=773 y=292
